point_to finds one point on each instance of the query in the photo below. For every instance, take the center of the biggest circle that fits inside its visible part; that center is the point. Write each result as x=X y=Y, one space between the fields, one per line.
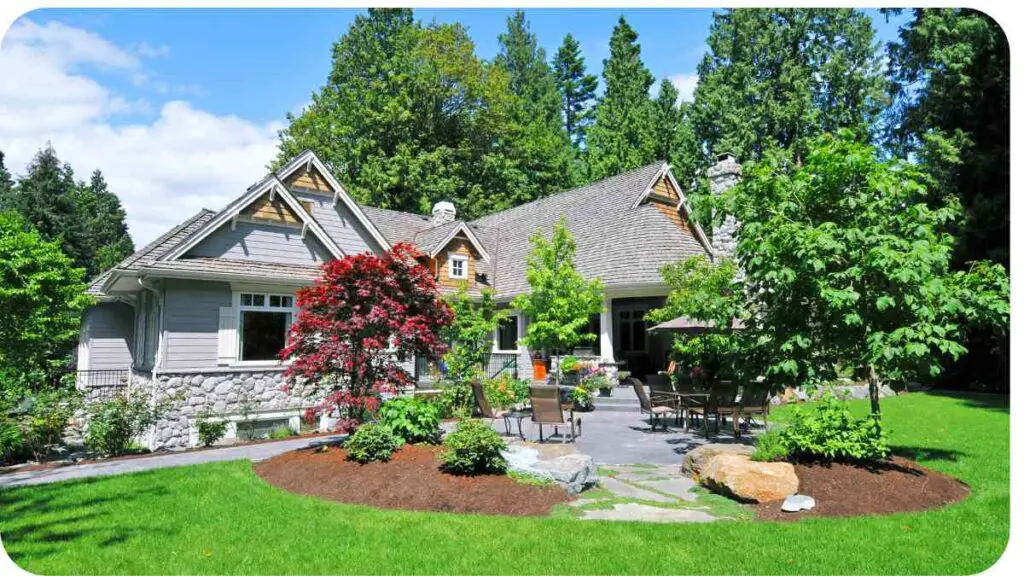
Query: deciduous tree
x=362 y=317
x=561 y=301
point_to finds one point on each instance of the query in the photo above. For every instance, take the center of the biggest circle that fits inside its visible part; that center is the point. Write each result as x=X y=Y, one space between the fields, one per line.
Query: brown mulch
x=898 y=485
x=411 y=480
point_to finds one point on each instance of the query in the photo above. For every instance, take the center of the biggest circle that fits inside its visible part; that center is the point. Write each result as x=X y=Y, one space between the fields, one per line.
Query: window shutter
x=226 y=336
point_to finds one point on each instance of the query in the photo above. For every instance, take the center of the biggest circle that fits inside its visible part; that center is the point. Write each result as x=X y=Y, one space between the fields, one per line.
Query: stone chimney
x=724 y=175
x=443 y=213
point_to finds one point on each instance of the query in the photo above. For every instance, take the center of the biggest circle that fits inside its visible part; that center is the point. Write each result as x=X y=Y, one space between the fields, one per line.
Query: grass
x=206 y=519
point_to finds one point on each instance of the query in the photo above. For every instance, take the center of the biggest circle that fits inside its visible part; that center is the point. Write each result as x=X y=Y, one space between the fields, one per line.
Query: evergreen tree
x=776 y=78
x=6 y=182
x=410 y=115
x=538 y=145
x=577 y=89
x=46 y=197
x=668 y=119
x=623 y=134
x=105 y=225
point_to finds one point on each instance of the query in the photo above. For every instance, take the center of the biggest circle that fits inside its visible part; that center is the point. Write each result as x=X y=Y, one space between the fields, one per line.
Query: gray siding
x=191 y=319
x=110 y=336
x=263 y=243
x=340 y=224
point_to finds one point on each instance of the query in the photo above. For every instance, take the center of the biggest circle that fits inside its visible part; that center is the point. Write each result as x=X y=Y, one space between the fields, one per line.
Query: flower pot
x=604 y=392
x=580 y=407
x=540 y=369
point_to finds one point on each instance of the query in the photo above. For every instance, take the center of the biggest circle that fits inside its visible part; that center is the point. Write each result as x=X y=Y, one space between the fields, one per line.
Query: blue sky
x=180 y=108
x=259 y=64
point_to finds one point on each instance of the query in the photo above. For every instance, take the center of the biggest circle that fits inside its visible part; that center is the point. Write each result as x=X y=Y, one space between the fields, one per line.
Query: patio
x=617 y=433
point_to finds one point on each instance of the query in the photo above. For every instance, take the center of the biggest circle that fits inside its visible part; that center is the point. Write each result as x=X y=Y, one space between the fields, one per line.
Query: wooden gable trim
x=461 y=230
x=309 y=179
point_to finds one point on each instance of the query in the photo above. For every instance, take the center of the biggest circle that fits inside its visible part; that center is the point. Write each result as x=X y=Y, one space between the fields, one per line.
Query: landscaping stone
x=697 y=459
x=628 y=490
x=741 y=478
x=574 y=472
x=797 y=502
x=633 y=512
x=680 y=487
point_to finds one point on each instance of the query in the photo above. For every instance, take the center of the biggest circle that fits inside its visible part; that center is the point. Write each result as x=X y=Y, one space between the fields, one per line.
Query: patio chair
x=484 y=407
x=721 y=399
x=754 y=402
x=547 y=409
x=660 y=407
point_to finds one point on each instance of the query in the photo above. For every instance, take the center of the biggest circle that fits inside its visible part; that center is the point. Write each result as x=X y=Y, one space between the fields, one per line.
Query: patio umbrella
x=687 y=325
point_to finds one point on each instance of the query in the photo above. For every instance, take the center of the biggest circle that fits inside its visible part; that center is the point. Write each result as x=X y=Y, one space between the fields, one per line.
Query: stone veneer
x=723 y=176
x=224 y=394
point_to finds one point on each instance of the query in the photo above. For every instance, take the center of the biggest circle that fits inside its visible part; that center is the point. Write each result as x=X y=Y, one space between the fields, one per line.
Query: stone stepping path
x=656 y=494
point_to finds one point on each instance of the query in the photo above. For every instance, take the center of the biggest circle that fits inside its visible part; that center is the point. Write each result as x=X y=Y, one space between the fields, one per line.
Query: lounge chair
x=484 y=407
x=721 y=399
x=658 y=408
x=754 y=402
x=547 y=409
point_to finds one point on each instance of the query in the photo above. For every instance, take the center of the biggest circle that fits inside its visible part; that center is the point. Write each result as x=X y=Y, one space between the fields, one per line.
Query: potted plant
x=582 y=401
x=571 y=368
x=602 y=383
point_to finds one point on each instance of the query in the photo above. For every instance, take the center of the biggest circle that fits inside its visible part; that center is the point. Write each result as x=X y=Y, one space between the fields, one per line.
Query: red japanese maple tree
x=363 y=316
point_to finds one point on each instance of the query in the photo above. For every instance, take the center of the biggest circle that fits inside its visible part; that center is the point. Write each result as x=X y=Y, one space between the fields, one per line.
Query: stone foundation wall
x=228 y=395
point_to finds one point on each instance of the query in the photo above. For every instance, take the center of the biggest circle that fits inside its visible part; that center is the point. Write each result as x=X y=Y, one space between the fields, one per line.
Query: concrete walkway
x=254 y=452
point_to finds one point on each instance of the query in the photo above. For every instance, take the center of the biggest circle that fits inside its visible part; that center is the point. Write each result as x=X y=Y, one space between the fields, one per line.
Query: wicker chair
x=660 y=408
x=547 y=409
x=721 y=399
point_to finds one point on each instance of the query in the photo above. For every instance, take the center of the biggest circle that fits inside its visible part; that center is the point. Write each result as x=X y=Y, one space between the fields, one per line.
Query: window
x=508 y=333
x=264 y=321
x=458 y=266
x=632 y=330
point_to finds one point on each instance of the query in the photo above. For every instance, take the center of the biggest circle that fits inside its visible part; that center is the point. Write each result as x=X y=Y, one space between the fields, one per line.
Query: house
x=201 y=312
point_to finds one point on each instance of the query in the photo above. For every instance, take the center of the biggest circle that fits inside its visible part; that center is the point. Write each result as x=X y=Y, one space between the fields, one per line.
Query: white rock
x=223 y=388
x=797 y=502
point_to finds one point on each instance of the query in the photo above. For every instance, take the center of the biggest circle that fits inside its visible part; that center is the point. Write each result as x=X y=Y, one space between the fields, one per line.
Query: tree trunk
x=876 y=409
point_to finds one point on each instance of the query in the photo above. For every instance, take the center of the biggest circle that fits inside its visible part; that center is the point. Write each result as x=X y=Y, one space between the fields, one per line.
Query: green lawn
x=221 y=518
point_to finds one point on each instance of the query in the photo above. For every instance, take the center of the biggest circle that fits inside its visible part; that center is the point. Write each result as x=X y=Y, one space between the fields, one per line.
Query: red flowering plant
x=362 y=317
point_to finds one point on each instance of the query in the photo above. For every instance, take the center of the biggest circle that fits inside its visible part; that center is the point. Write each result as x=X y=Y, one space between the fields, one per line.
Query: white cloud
x=147 y=50
x=686 y=84
x=164 y=170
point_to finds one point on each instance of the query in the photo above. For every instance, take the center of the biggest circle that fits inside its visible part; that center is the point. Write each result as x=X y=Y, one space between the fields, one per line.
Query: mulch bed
x=412 y=480
x=899 y=485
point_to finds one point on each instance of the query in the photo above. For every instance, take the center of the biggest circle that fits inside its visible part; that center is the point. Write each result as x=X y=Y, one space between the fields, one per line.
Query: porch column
x=607 y=352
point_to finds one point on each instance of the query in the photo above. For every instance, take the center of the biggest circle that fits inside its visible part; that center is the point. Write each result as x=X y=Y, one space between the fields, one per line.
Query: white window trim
x=519 y=327
x=452 y=258
x=239 y=308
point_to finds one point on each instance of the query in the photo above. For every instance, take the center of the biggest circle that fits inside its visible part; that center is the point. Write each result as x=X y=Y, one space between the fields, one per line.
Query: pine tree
x=46 y=197
x=623 y=134
x=6 y=181
x=105 y=225
x=538 y=145
x=668 y=119
x=777 y=78
x=577 y=89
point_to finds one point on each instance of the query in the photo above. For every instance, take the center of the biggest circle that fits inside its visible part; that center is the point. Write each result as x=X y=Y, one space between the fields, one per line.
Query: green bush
x=43 y=425
x=411 y=419
x=473 y=448
x=829 y=432
x=210 y=431
x=114 y=424
x=569 y=364
x=372 y=443
x=504 y=391
x=12 y=442
x=770 y=447
x=455 y=400
x=282 y=432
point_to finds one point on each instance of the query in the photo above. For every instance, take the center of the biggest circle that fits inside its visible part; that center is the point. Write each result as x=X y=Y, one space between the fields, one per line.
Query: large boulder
x=574 y=472
x=697 y=458
x=741 y=478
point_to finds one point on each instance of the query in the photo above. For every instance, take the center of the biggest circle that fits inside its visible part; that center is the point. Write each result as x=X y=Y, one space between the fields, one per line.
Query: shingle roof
x=240 y=268
x=155 y=249
x=614 y=241
x=397 y=226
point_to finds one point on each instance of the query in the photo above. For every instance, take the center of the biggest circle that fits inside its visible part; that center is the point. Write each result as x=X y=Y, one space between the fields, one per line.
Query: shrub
x=569 y=364
x=504 y=391
x=411 y=419
x=282 y=432
x=830 y=432
x=770 y=447
x=114 y=424
x=372 y=443
x=455 y=400
x=210 y=431
x=12 y=442
x=473 y=448
x=43 y=425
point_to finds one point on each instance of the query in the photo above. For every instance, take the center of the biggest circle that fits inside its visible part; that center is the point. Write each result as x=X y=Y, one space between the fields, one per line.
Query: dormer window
x=458 y=267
